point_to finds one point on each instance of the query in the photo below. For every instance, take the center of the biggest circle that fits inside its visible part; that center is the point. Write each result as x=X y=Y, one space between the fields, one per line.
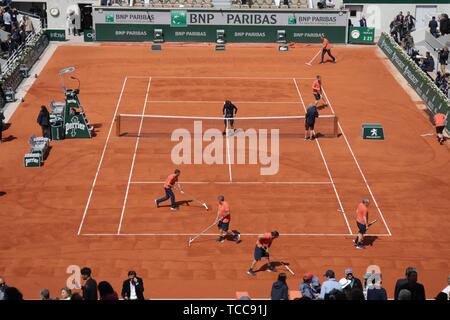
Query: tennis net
x=134 y=125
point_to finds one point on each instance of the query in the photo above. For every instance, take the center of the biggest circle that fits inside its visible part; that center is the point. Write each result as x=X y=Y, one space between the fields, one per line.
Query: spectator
x=70 y=21
x=417 y=290
x=76 y=296
x=404 y=294
x=433 y=25
x=443 y=86
x=446 y=290
x=354 y=282
x=330 y=4
x=443 y=59
x=307 y=289
x=43 y=120
x=45 y=294
x=14 y=14
x=90 y=286
x=428 y=63
x=401 y=282
x=444 y=24
x=16 y=37
x=329 y=284
x=363 y=22
x=7 y=20
x=441 y=297
x=410 y=22
x=3 y=285
x=357 y=295
x=408 y=43
x=106 y=291
x=133 y=287
x=280 y=289
x=336 y=294
x=12 y=293
x=66 y=294
x=375 y=291
x=395 y=27
x=346 y=289
x=400 y=18
x=27 y=25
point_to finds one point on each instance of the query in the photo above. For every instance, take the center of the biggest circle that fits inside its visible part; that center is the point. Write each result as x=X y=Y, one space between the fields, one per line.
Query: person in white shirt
x=66 y=293
x=7 y=20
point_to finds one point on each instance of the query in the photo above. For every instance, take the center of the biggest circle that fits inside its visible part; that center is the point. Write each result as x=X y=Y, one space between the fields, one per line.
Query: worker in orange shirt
x=317 y=91
x=362 y=217
x=171 y=181
x=262 y=250
x=439 y=122
x=326 y=48
x=224 y=218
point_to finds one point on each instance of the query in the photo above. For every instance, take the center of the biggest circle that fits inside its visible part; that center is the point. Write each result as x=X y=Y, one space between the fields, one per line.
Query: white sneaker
x=156 y=203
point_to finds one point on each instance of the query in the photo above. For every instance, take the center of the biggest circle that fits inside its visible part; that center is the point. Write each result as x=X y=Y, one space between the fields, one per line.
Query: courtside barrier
x=435 y=100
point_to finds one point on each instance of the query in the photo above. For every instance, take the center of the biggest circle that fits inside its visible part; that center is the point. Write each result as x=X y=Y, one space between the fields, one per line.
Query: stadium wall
x=201 y=25
x=435 y=100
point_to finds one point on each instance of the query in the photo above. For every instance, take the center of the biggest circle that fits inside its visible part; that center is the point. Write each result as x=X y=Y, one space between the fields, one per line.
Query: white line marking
x=238 y=182
x=219 y=78
x=220 y=101
x=326 y=165
x=242 y=234
x=357 y=164
x=102 y=156
x=134 y=157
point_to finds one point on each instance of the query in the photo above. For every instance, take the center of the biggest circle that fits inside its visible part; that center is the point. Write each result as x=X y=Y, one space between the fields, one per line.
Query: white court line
x=220 y=78
x=134 y=157
x=326 y=165
x=242 y=234
x=237 y=182
x=357 y=164
x=102 y=156
x=220 y=101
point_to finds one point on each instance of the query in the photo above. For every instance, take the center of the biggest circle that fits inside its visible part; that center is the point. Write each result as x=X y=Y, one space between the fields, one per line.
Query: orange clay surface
x=42 y=208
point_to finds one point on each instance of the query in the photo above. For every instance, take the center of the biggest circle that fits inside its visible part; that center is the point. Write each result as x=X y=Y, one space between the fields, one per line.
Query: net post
x=336 y=126
x=117 y=119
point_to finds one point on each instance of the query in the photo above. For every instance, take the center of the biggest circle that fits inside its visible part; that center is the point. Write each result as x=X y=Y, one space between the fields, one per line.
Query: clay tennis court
x=92 y=202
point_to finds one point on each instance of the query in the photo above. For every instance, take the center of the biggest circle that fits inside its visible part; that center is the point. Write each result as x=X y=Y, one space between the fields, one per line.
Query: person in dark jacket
x=90 y=286
x=13 y=294
x=106 y=291
x=433 y=25
x=401 y=282
x=354 y=282
x=280 y=289
x=43 y=120
x=444 y=24
x=133 y=287
x=417 y=289
x=363 y=22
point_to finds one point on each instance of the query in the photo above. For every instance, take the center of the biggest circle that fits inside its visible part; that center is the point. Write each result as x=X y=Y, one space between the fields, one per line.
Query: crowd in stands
x=401 y=28
x=349 y=287
x=16 y=30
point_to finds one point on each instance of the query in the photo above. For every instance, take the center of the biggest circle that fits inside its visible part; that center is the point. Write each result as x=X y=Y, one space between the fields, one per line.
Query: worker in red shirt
x=326 y=48
x=317 y=91
x=262 y=250
x=170 y=182
x=362 y=217
x=224 y=218
x=439 y=122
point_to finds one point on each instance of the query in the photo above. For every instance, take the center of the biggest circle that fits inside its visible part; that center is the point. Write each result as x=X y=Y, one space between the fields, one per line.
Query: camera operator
x=427 y=64
x=443 y=59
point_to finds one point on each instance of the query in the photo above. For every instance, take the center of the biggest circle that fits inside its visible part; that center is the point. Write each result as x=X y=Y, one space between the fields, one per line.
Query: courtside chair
x=303 y=3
